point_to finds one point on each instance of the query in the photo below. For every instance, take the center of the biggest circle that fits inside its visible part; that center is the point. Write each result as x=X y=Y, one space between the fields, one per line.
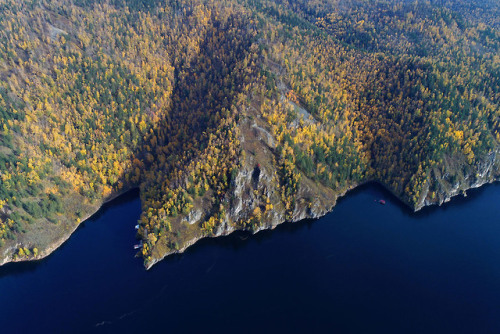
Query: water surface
x=364 y=268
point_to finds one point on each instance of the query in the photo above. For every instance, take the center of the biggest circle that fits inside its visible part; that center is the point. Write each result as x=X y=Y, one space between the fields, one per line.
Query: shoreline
x=65 y=237
x=414 y=209
x=231 y=230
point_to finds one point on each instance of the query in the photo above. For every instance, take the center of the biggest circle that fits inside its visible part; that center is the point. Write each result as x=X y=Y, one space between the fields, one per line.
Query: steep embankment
x=255 y=202
x=458 y=177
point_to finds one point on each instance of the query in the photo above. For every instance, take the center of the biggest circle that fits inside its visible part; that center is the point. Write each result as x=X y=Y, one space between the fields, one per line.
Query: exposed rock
x=458 y=178
x=194 y=216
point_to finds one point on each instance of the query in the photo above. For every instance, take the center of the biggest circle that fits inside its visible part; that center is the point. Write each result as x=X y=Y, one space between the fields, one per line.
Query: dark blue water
x=364 y=268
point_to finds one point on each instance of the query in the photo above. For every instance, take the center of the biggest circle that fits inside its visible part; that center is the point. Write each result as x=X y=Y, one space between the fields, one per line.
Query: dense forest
x=187 y=99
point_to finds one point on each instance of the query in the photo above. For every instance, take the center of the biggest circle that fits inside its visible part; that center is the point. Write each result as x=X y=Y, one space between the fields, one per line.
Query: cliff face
x=457 y=177
x=257 y=186
x=254 y=201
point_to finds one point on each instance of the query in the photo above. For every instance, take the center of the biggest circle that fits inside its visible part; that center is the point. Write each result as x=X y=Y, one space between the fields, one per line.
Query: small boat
x=137 y=246
x=381 y=201
x=136 y=227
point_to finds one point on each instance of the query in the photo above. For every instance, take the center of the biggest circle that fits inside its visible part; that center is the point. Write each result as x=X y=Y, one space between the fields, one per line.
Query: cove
x=363 y=268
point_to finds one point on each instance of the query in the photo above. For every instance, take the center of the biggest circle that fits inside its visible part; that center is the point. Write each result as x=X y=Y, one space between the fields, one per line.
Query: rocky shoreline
x=485 y=172
x=325 y=199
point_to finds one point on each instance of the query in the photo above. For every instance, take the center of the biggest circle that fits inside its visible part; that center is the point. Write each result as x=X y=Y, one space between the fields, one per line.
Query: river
x=363 y=268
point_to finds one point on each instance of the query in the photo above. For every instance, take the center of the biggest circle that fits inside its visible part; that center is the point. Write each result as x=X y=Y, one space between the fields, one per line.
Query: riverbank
x=7 y=256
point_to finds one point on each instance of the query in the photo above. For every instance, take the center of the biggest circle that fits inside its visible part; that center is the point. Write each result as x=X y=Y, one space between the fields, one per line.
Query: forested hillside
x=237 y=114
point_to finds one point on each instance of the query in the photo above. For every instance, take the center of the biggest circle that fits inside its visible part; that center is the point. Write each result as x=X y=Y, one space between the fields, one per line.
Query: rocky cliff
x=257 y=185
x=457 y=177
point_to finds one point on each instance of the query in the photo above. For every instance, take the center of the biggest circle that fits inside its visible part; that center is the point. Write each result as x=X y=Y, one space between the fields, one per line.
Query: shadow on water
x=473 y=195
x=17 y=268
x=240 y=239
x=379 y=191
x=124 y=198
